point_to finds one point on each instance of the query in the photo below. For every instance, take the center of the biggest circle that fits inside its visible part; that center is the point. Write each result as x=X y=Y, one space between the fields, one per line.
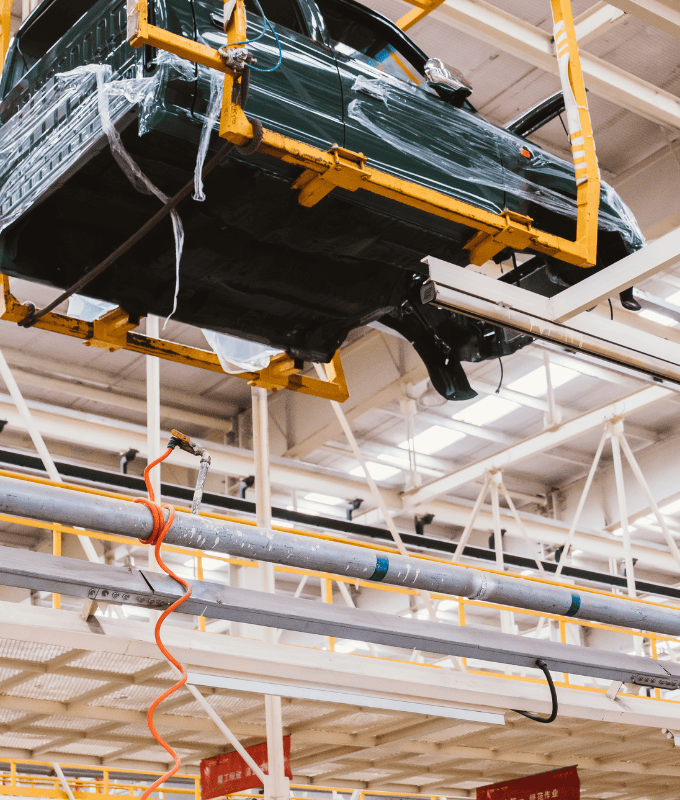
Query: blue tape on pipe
x=381 y=566
x=575 y=605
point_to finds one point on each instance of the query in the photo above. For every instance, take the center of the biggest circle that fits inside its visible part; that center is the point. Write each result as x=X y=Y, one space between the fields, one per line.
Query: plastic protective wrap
x=469 y=158
x=75 y=114
x=238 y=355
x=53 y=131
x=214 y=109
x=87 y=308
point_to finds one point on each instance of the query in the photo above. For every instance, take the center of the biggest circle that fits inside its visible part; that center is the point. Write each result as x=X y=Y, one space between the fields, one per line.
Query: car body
x=256 y=263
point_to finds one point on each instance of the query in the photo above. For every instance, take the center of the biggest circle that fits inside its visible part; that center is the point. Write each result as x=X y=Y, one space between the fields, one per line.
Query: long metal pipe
x=56 y=505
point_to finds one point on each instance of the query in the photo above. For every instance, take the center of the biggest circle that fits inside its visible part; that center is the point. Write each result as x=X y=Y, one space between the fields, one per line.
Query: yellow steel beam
x=583 y=144
x=114 y=332
x=323 y=171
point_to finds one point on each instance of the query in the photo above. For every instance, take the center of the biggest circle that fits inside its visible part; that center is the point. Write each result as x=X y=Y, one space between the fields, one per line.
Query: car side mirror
x=447 y=81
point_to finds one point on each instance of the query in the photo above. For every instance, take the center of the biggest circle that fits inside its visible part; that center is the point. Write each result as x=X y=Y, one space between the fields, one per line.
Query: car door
x=301 y=97
x=400 y=123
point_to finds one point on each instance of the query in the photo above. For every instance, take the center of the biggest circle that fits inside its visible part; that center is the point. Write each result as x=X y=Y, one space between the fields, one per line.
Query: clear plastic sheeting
x=373 y=88
x=238 y=355
x=214 y=109
x=87 y=308
x=71 y=118
x=469 y=158
x=58 y=127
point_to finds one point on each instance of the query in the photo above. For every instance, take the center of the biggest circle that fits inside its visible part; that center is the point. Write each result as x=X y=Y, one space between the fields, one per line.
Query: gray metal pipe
x=68 y=507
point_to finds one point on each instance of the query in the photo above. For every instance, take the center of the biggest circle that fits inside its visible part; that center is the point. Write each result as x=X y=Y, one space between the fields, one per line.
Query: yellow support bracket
x=347 y=171
x=115 y=331
x=324 y=171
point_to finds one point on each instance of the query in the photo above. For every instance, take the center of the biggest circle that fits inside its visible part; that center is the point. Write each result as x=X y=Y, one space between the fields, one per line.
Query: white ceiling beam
x=655 y=257
x=109 y=382
x=64 y=425
x=597 y=20
x=661 y=14
x=536 y=445
x=533 y=45
x=111 y=398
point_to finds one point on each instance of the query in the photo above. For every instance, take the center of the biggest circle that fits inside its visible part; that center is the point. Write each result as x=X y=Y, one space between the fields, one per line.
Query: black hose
x=553 y=694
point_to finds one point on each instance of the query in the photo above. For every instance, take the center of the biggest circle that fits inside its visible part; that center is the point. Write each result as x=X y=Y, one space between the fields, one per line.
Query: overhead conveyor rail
x=339 y=168
x=122 y=585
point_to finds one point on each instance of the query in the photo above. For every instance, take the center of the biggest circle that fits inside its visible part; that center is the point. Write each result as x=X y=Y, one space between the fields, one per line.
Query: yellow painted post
x=328 y=598
x=5 y=25
x=105 y=783
x=582 y=141
x=199 y=576
x=12 y=772
x=461 y=622
x=56 y=551
x=655 y=655
x=197 y=788
x=563 y=639
x=232 y=119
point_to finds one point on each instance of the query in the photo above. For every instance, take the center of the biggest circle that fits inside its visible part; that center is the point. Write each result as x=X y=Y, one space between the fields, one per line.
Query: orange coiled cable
x=160 y=528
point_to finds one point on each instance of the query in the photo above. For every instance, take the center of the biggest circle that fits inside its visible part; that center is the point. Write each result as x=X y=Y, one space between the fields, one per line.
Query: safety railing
x=457 y=609
x=19 y=779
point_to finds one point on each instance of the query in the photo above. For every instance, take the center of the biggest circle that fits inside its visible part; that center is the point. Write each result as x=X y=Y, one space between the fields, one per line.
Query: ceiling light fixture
x=324 y=499
x=654 y=316
x=535 y=382
x=672 y=507
x=379 y=472
x=433 y=439
x=487 y=410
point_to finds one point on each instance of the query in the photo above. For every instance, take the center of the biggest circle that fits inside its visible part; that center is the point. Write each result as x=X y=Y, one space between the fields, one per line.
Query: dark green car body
x=255 y=263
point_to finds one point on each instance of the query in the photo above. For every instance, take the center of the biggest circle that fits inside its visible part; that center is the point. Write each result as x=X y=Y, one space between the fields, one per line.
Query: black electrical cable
x=611 y=309
x=553 y=695
x=500 y=382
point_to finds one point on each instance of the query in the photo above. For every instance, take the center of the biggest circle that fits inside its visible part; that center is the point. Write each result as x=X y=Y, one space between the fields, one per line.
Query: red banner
x=560 y=784
x=228 y=773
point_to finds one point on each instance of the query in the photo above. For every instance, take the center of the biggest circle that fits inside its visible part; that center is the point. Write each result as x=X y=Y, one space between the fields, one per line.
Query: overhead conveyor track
x=121 y=585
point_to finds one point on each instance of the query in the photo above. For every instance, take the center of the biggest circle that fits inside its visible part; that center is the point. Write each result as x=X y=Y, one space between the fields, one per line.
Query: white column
x=153 y=429
x=615 y=429
x=276 y=786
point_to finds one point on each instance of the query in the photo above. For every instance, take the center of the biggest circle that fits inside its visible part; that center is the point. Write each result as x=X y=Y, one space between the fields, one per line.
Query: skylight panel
x=433 y=439
x=660 y=319
x=379 y=472
x=535 y=383
x=487 y=410
x=674 y=299
x=325 y=499
x=674 y=506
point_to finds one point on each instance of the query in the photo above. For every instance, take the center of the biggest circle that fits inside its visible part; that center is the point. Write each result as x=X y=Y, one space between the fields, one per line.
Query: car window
x=354 y=32
x=281 y=12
